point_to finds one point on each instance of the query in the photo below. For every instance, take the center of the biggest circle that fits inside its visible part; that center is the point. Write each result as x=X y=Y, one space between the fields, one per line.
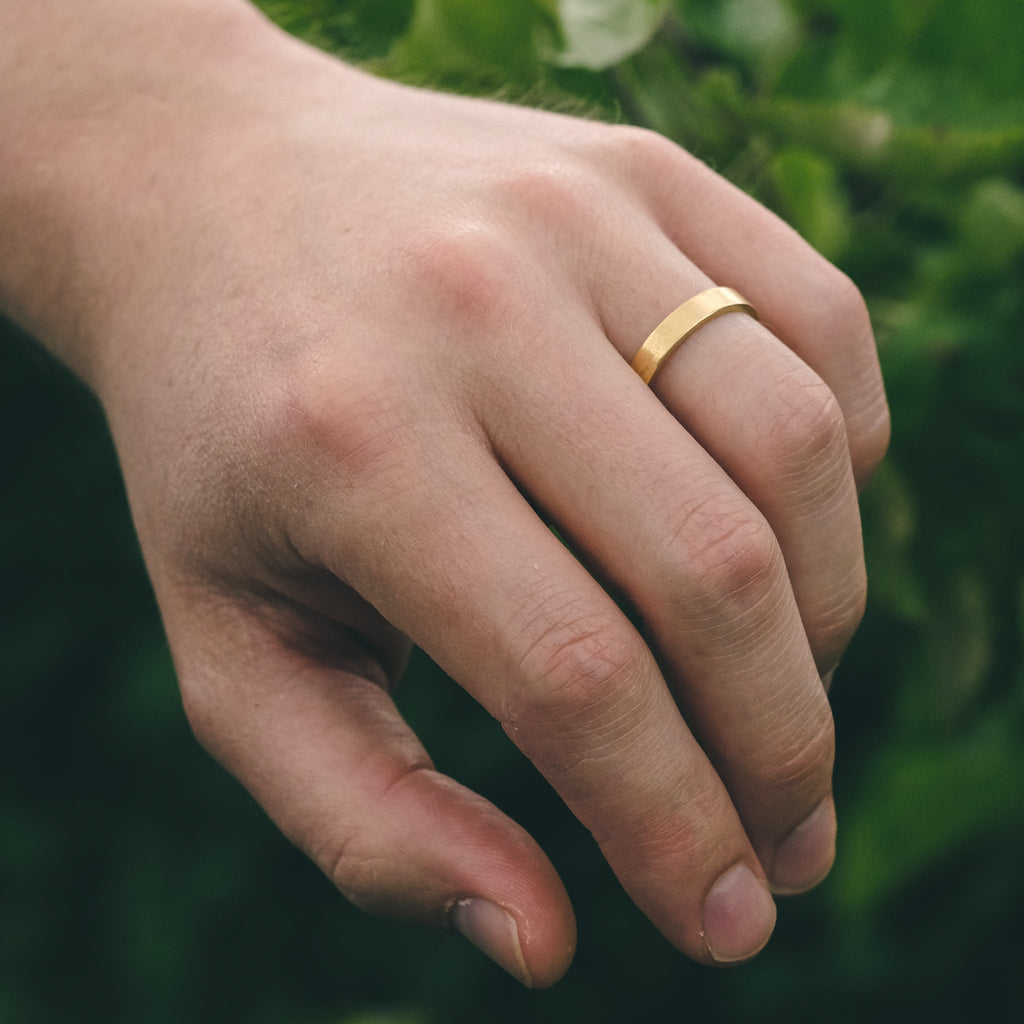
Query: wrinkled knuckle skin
x=734 y=564
x=833 y=627
x=802 y=755
x=365 y=874
x=574 y=663
x=807 y=433
x=360 y=877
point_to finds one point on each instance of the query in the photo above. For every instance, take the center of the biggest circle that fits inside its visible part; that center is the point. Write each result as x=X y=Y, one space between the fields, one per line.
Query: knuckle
x=654 y=151
x=804 y=752
x=846 y=311
x=833 y=626
x=358 y=873
x=837 y=311
x=359 y=860
x=553 y=193
x=464 y=270
x=573 y=662
x=870 y=436
x=580 y=191
x=641 y=149
x=341 y=430
x=736 y=561
x=806 y=432
x=835 y=306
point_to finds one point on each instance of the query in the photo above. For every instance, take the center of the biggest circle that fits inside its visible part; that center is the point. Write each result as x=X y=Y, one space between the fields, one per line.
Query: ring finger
x=778 y=431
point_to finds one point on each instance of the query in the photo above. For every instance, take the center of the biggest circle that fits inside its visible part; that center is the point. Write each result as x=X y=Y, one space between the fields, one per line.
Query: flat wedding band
x=682 y=322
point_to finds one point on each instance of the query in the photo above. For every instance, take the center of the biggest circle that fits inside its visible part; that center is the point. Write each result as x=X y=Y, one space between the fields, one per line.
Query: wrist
x=109 y=108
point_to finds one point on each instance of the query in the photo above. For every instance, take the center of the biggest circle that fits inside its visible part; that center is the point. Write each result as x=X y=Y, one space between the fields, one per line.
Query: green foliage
x=362 y=29
x=892 y=135
x=600 y=33
x=811 y=196
x=463 y=41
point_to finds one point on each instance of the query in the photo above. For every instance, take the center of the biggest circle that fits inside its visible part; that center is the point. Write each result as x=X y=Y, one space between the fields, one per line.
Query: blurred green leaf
x=760 y=34
x=474 y=45
x=599 y=33
x=922 y=806
x=890 y=525
x=872 y=139
x=811 y=196
x=359 y=29
x=992 y=224
x=379 y=1017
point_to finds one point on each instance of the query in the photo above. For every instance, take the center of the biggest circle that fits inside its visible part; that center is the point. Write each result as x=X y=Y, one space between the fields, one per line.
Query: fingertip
x=495 y=932
x=739 y=916
x=805 y=856
x=551 y=955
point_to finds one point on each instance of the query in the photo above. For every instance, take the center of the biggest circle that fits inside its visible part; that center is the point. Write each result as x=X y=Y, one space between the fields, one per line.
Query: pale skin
x=359 y=345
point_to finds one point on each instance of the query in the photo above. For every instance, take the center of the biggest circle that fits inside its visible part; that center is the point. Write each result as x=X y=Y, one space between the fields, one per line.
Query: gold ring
x=682 y=322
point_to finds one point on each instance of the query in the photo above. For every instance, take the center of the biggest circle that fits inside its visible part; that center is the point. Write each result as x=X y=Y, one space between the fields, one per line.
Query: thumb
x=325 y=752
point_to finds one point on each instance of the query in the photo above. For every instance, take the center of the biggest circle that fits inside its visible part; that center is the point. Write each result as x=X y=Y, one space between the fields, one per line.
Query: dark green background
x=139 y=883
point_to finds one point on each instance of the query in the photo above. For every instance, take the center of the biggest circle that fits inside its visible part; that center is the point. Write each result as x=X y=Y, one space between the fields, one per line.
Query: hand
x=357 y=344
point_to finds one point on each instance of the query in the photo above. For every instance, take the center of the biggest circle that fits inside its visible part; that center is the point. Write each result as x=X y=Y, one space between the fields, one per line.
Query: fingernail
x=739 y=915
x=805 y=856
x=494 y=932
